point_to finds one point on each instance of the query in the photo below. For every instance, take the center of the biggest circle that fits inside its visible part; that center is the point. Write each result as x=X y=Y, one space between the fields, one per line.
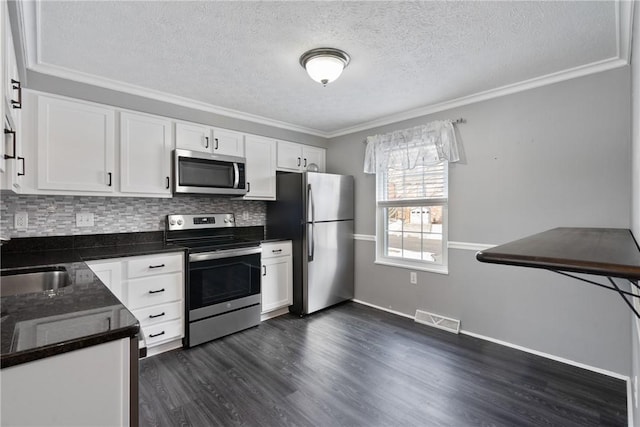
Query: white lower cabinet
x=277 y=276
x=152 y=288
x=86 y=387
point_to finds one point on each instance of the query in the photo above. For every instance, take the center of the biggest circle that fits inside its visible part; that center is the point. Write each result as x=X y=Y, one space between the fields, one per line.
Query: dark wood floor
x=352 y=365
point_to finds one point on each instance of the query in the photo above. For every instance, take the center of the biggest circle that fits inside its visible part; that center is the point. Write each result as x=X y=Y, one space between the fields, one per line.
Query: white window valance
x=405 y=149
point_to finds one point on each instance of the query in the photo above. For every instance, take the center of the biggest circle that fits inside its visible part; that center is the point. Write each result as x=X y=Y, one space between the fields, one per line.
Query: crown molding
x=130 y=89
x=29 y=38
x=585 y=70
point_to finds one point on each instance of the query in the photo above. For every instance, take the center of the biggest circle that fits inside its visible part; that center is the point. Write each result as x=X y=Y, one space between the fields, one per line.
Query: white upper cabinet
x=76 y=144
x=289 y=156
x=12 y=87
x=12 y=160
x=294 y=157
x=260 y=168
x=13 y=166
x=195 y=137
x=145 y=154
x=228 y=142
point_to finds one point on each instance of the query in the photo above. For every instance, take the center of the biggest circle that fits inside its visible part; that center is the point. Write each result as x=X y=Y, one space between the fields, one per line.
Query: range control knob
x=180 y=222
x=226 y=220
x=172 y=222
x=231 y=219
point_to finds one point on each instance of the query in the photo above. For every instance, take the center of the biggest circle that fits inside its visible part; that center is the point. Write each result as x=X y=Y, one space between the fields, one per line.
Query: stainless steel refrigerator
x=315 y=211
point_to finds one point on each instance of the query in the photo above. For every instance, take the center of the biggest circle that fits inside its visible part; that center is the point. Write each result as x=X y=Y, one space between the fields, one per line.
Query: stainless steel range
x=223 y=276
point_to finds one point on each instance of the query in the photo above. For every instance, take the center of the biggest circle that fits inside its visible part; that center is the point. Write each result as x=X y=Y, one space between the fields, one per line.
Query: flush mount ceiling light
x=324 y=64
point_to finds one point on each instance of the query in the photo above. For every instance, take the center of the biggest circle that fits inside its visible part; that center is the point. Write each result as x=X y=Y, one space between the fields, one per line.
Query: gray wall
x=543 y=158
x=59 y=86
x=635 y=188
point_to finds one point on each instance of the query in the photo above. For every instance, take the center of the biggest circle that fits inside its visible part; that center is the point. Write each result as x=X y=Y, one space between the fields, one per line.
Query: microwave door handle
x=236 y=173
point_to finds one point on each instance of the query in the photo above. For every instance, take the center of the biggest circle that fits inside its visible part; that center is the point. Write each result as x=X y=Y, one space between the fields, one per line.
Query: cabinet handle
x=264 y=270
x=13 y=137
x=15 y=85
x=156 y=335
x=206 y=139
x=23 y=167
x=153 y=316
x=110 y=176
x=168 y=183
x=248 y=187
x=216 y=141
x=276 y=251
x=156 y=266
x=157 y=292
x=305 y=163
x=298 y=161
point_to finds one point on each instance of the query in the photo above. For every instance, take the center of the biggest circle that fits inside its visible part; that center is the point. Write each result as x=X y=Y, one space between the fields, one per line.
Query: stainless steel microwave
x=204 y=173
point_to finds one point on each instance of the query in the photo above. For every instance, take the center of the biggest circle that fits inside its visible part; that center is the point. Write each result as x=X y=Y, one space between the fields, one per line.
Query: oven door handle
x=205 y=256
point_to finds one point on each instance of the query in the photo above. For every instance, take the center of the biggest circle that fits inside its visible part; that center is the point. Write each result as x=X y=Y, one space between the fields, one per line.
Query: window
x=411 y=168
x=412 y=217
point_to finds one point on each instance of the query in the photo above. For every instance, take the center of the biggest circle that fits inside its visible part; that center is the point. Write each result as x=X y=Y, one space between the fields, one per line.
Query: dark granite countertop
x=82 y=314
x=43 y=324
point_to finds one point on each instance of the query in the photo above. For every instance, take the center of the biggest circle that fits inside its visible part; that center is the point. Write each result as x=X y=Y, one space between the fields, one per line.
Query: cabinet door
x=10 y=77
x=313 y=155
x=289 y=156
x=191 y=136
x=110 y=272
x=228 y=143
x=276 y=291
x=145 y=154
x=75 y=146
x=260 y=168
x=13 y=161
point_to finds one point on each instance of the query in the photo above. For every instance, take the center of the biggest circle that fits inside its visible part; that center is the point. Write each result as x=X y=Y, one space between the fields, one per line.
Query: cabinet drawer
x=158 y=313
x=166 y=331
x=275 y=249
x=154 y=264
x=154 y=290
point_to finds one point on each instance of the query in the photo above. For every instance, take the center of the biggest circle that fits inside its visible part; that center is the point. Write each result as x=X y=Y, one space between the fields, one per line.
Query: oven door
x=222 y=276
x=203 y=173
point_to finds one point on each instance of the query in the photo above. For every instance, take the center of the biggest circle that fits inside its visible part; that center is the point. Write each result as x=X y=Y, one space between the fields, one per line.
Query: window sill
x=439 y=269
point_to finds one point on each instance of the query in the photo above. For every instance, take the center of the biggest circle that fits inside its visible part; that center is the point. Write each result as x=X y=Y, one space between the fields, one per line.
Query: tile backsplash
x=56 y=215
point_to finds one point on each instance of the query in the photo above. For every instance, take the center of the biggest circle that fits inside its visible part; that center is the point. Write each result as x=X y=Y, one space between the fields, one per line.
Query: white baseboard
x=388 y=310
x=629 y=403
x=514 y=346
x=548 y=356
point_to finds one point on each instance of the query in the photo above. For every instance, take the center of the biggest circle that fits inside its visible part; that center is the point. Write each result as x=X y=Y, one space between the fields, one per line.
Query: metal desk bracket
x=614 y=287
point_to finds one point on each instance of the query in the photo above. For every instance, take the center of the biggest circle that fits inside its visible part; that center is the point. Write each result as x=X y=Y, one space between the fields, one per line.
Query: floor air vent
x=437 y=321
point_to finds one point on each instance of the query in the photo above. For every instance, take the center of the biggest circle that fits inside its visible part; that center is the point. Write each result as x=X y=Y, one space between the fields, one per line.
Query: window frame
x=381 y=237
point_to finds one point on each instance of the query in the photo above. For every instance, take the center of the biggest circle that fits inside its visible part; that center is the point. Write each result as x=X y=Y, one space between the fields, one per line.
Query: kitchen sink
x=33 y=280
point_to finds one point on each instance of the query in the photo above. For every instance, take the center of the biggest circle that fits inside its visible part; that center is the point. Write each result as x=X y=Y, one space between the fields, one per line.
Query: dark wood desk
x=610 y=252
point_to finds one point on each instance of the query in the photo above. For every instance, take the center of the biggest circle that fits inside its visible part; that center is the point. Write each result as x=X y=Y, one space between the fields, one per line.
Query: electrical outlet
x=245 y=215
x=413 y=278
x=21 y=220
x=84 y=276
x=635 y=390
x=84 y=219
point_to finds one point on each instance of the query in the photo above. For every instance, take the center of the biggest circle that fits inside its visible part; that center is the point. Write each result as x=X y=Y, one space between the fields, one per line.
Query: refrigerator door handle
x=310 y=236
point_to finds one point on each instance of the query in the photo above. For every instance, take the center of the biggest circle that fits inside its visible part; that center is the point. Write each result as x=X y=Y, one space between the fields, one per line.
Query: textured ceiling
x=244 y=55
